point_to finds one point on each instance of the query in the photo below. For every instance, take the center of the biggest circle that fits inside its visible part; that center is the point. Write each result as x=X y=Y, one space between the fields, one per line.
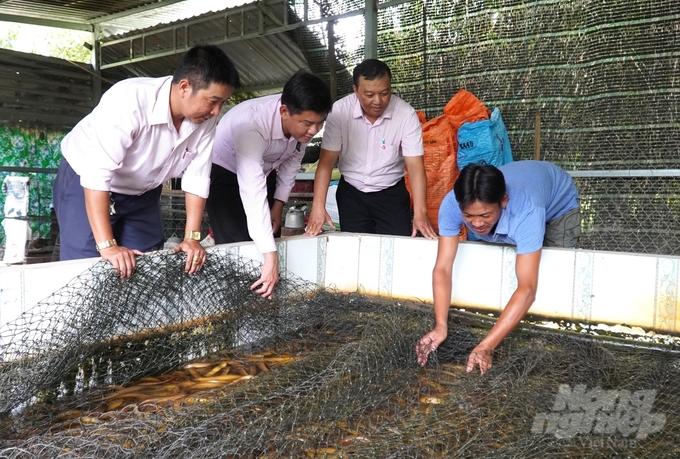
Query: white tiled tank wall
x=608 y=287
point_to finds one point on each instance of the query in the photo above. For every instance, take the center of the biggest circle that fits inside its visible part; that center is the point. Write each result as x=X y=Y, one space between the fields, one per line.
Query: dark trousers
x=227 y=216
x=137 y=223
x=386 y=211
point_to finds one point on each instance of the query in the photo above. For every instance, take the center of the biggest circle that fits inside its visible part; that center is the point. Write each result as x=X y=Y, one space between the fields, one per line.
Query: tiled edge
x=12 y=299
x=289 y=252
x=25 y=287
x=386 y=266
x=666 y=294
x=342 y=262
x=249 y=251
x=301 y=258
x=321 y=244
x=662 y=280
x=555 y=283
x=368 y=266
x=360 y=286
x=508 y=275
x=582 y=301
x=412 y=268
x=282 y=249
x=477 y=276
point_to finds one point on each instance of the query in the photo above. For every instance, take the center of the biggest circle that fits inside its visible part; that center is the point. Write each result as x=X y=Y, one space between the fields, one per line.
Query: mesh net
x=601 y=76
x=170 y=365
x=642 y=213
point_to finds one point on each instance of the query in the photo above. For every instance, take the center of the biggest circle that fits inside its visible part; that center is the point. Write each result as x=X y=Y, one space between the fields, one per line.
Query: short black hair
x=204 y=65
x=370 y=69
x=306 y=91
x=479 y=182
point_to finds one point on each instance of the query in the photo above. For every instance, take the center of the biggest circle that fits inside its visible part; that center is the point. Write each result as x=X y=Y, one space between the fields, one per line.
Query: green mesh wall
x=602 y=77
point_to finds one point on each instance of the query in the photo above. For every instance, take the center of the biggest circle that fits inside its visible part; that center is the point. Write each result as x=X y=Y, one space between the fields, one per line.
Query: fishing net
x=170 y=365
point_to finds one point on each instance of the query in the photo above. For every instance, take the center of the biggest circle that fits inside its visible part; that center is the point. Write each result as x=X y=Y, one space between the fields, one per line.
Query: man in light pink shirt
x=143 y=132
x=258 y=149
x=372 y=134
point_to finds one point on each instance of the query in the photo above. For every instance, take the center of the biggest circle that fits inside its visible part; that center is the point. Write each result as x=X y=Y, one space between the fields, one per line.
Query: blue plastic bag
x=484 y=142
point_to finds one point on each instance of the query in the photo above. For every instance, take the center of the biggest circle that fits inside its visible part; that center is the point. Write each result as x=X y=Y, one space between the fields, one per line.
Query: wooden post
x=332 y=64
x=537 y=137
x=371 y=29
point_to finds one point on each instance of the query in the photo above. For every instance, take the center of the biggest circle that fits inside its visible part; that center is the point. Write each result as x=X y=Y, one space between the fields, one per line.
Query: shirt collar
x=389 y=111
x=160 y=113
x=277 y=126
x=358 y=112
x=503 y=225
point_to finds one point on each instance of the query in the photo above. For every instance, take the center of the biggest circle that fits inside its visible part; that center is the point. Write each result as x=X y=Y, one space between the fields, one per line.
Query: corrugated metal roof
x=255 y=37
x=113 y=16
x=165 y=15
x=83 y=12
x=263 y=46
x=263 y=63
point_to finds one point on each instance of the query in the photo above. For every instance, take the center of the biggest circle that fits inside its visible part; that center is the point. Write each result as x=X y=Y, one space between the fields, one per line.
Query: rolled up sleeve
x=252 y=183
x=95 y=149
x=196 y=178
x=412 y=141
x=285 y=180
x=332 y=132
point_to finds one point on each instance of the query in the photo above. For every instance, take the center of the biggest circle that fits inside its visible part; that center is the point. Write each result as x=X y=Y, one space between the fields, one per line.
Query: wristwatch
x=105 y=244
x=195 y=235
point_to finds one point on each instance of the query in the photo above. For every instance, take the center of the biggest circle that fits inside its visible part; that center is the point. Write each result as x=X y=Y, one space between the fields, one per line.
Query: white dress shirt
x=372 y=155
x=128 y=143
x=250 y=142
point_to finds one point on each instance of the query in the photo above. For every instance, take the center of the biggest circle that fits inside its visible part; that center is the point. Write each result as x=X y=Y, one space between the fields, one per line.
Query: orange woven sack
x=465 y=106
x=440 y=146
x=441 y=168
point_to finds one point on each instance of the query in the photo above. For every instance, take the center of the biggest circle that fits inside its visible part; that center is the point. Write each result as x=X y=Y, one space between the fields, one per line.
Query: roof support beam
x=141 y=53
x=96 y=59
x=267 y=12
x=371 y=30
x=141 y=9
x=46 y=22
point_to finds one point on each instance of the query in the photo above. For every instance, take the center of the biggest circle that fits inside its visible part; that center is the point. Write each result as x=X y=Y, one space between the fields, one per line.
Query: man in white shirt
x=143 y=132
x=373 y=134
x=258 y=149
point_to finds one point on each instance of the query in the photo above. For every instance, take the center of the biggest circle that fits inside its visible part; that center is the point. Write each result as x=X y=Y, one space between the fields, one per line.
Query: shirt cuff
x=200 y=186
x=95 y=183
x=266 y=246
x=282 y=194
x=331 y=146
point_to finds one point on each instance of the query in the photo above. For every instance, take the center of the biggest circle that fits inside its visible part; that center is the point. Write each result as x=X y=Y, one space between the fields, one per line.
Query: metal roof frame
x=84 y=15
x=255 y=20
x=257 y=36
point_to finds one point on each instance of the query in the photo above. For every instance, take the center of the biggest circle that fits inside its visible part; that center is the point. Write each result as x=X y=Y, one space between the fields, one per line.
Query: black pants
x=225 y=209
x=386 y=211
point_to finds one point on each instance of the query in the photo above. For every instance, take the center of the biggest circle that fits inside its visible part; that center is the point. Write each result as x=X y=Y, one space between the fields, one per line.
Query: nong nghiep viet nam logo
x=600 y=412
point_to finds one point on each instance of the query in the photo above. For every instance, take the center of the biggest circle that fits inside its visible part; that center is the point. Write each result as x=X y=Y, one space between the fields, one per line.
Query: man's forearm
x=97 y=206
x=512 y=315
x=322 y=180
x=322 y=177
x=419 y=192
x=194 y=206
x=418 y=183
x=442 y=287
